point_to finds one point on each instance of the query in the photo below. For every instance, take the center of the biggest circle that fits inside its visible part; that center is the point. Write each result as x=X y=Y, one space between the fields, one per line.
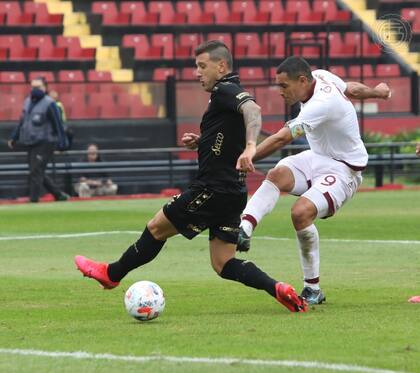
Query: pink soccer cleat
x=287 y=296
x=415 y=299
x=95 y=270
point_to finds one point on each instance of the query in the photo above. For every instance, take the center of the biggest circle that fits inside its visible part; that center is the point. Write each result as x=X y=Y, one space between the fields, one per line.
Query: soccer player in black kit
x=217 y=196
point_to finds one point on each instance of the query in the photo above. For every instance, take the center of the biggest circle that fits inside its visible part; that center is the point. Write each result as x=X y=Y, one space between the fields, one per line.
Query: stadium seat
x=12 y=77
x=190 y=40
x=42 y=17
x=250 y=42
x=278 y=15
x=337 y=48
x=160 y=74
x=165 y=42
x=142 y=48
x=110 y=14
x=139 y=15
x=223 y=37
x=84 y=111
x=304 y=12
x=71 y=76
x=47 y=75
x=251 y=73
x=143 y=111
x=46 y=49
x=4 y=54
x=410 y=14
x=354 y=71
x=114 y=112
x=167 y=14
x=188 y=73
x=250 y=14
x=277 y=44
x=331 y=12
x=369 y=49
x=193 y=12
x=222 y=13
x=75 y=50
x=340 y=71
x=391 y=70
x=99 y=76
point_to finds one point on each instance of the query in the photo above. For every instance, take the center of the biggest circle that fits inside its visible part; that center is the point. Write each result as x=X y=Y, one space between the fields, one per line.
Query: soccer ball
x=144 y=300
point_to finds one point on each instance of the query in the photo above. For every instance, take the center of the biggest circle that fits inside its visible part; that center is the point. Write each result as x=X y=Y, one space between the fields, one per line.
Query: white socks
x=308 y=245
x=260 y=204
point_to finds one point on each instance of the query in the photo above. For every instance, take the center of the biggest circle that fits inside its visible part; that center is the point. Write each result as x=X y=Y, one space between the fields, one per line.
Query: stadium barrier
x=167 y=170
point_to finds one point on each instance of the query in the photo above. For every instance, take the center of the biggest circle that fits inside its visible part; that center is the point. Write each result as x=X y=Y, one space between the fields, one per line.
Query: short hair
x=42 y=79
x=217 y=51
x=295 y=67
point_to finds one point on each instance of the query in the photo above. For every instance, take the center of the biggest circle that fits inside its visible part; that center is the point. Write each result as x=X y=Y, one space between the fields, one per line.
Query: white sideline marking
x=90 y=234
x=202 y=360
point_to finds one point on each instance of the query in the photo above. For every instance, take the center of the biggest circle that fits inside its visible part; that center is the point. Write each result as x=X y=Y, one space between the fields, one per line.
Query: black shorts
x=195 y=210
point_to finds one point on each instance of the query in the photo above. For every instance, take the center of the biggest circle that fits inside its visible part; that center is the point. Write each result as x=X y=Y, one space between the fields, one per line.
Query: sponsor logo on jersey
x=217 y=147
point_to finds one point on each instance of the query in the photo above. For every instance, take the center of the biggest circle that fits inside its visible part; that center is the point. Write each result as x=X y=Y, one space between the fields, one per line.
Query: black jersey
x=223 y=138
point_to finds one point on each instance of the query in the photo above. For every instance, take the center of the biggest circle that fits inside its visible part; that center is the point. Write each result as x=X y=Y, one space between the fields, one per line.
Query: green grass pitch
x=46 y=305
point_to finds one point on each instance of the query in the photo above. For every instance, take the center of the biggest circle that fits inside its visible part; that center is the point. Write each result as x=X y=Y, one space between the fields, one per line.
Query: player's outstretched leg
x=250 y=275
x=109 y=275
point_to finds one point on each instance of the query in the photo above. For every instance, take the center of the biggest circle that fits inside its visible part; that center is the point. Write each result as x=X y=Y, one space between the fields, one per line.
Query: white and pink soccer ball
x=144 y=300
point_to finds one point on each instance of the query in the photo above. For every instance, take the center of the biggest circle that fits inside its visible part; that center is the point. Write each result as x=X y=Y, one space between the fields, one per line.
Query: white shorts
x=327 y=183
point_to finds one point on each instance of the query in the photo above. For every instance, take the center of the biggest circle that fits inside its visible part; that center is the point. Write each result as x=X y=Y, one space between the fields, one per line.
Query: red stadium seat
x=143 y=111
x=139 y=15
x=75 y=50
x=160 y=74
x=99 y=76
x=304 y=12
x=188 y=73
x=410 y=14
x=12 y=77
x=114 y=112
x=164 y=41
x=10 y=7
x=330 y=10
x=223 y=37
x=110 y=14
x=277 y=13
x=71 y=76
x=337 y=48
x=193 y=12
x=82 y=112
x=142 y=48
x=249 y=12
x=190 y=40
x=167 y=15
x=11 y=41
x=251 y=43
x=391 y=70
x=42 y=17
x=251 y=73
x=102 y=99
x=340 y=71
x=221 y=12
x=46 y=49
x=277 y=44
x=369 y=49
x=47 y=75
x=354 y=71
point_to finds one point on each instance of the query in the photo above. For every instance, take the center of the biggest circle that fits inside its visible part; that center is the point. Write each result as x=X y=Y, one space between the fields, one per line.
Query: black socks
x=141 y=252
x=249 y=274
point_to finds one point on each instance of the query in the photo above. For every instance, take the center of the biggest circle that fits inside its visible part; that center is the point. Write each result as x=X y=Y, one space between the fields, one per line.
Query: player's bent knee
x=282 y=177
x=303 y=213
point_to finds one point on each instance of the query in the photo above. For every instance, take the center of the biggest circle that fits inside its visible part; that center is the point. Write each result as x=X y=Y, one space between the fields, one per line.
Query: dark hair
x=42 y=79
x=295 y=67
x=217 y=51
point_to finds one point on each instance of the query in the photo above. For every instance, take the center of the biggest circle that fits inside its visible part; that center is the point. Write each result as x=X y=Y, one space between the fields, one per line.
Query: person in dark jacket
x=40 y=131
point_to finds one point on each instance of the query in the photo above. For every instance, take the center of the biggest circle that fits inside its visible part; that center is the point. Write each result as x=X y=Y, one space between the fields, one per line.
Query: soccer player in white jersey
x=324 y=177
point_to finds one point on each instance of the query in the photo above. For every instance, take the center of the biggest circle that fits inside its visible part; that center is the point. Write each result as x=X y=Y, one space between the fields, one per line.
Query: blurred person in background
x=94 y=184
x=67 y=130
x=40 y=131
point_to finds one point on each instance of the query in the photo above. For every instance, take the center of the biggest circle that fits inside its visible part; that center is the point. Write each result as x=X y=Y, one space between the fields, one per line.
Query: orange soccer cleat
x=287 y=296
x=95 y=270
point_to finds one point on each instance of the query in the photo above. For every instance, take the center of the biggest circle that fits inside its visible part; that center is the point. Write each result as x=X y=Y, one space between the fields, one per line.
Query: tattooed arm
x=253 y=122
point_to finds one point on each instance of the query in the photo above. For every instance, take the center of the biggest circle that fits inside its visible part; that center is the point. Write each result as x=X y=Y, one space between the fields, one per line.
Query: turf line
x=90 y=234
x=200 y=360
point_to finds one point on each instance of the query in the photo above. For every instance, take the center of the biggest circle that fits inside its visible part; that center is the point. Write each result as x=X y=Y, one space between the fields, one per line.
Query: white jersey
x=330 y=122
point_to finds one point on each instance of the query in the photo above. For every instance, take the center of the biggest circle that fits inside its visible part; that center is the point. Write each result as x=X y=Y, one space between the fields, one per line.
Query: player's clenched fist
x=190 y=140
